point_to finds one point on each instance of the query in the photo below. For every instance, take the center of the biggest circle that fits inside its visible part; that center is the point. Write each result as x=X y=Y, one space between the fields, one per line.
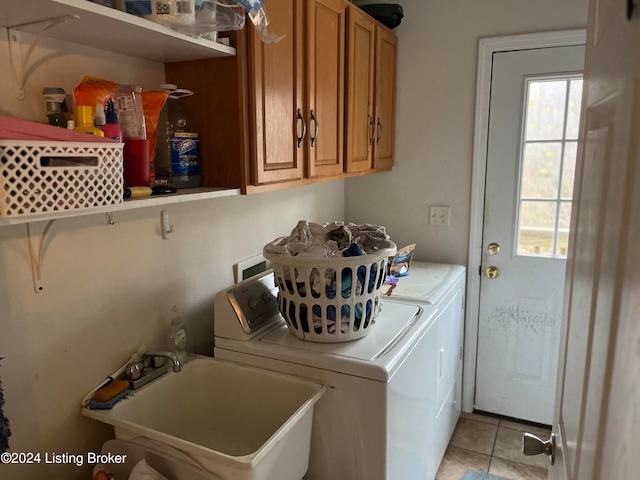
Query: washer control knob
x=266 y=297
x=253 y=303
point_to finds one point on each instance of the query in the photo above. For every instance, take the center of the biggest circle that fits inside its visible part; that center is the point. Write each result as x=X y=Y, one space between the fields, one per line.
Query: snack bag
x=399 y=265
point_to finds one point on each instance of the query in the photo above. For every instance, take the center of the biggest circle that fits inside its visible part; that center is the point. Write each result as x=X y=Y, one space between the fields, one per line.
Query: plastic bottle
x=99 y=118
x=177 y=145
x=128 y=100
x=177 y=337
x=55 y=115
x=111 y=128
x=185 y=155
x=84 y=116
x=162 y=162
x=55 y=106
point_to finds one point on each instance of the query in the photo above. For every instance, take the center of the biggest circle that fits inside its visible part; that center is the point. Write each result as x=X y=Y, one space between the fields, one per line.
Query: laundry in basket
x=329 y=278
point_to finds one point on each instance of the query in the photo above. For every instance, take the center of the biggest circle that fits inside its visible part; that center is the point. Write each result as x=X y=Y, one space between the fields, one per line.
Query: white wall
x=435 y=115
x=109 y=289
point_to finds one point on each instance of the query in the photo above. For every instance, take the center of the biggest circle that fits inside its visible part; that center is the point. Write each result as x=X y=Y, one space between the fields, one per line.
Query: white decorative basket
x=46 y=176
x=330 y=300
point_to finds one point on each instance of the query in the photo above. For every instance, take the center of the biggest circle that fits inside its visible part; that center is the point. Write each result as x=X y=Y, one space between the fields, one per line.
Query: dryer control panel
x=254 y=302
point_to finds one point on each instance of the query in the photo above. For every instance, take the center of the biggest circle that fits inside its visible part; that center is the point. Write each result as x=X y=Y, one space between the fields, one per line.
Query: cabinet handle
x=315 y=136
x=373 y=130
x=304 y=128
x=378 y=132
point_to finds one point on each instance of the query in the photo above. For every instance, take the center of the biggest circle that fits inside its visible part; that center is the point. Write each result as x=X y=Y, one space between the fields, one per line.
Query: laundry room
x=82 y=291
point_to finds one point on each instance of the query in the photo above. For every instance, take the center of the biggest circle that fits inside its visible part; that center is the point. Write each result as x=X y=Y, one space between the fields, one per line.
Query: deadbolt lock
x=493 y=248
x=492 y=272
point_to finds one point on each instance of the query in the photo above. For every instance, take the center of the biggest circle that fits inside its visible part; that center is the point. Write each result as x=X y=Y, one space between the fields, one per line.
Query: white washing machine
x=375 y=421
x=442 y=286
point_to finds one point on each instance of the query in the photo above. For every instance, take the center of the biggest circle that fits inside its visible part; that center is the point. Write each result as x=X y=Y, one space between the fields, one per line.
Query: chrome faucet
x=177 y=366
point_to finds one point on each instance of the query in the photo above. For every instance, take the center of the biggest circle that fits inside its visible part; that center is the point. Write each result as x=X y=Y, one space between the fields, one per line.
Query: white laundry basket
x=330 y=300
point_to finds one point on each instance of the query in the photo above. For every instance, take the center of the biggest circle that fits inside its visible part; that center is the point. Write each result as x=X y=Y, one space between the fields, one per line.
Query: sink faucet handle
x=177 y=366
x=133 y=370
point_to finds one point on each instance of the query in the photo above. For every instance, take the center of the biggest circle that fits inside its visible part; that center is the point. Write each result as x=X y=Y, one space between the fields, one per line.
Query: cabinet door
x=385 y=103
x=325 y=57
x=276 y=95
x=360 y=76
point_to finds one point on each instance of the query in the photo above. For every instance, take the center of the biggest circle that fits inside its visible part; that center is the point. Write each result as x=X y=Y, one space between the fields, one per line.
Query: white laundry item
x=331 y=324
x=309 y=239
x=368 y=236
x=143 y=471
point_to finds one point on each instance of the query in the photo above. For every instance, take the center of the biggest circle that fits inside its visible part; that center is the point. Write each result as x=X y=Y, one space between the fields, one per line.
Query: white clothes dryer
x=374 y=421
x=442 y=286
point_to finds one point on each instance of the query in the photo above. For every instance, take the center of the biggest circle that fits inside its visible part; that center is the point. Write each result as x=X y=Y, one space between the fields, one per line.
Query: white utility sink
x=238 y=422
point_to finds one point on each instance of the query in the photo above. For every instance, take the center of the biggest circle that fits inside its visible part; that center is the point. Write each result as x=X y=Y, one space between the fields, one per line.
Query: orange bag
x=93 y=91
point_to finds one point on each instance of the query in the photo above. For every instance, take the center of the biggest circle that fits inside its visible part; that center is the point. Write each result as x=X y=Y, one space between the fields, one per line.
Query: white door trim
x=487 y=47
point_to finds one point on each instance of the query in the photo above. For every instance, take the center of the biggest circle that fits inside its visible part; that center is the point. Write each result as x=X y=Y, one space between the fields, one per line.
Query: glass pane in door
x=547 y=165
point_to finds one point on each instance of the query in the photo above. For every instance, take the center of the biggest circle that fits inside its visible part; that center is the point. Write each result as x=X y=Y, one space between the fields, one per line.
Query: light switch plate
x=439 y=215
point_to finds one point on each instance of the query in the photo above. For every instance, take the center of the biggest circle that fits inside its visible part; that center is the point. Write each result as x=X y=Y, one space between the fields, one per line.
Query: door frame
x=487 y=47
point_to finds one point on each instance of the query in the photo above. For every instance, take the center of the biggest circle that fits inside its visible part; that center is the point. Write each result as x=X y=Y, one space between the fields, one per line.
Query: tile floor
x=493 y=445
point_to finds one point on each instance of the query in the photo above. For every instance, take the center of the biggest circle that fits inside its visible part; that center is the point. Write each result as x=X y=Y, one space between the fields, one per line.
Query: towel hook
x=165 y=225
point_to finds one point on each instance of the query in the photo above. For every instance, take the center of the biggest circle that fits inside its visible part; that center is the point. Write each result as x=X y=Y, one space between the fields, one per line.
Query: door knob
x=493 y=248
x=532 y=445
x=492 y=272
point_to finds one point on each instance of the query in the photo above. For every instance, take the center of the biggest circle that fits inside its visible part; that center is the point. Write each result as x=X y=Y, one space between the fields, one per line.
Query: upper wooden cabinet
x=371 y=85
x=296 y=91
x=360 y=129
x=326 y=22
x=317 y=105
x=385 y=98
x=276 y=94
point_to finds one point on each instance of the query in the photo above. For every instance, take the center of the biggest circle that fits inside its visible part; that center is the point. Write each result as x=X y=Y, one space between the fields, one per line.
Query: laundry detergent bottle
x=177 y=143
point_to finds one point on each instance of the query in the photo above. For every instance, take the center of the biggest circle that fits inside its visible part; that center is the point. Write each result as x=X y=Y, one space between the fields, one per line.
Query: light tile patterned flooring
x=493 y=445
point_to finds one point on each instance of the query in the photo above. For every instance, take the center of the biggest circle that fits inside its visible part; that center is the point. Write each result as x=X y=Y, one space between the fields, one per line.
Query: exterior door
x=532 y=143
x=597 y=413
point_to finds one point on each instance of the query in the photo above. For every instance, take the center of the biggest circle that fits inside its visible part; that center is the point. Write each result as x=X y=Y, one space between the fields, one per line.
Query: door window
x=548 y=158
